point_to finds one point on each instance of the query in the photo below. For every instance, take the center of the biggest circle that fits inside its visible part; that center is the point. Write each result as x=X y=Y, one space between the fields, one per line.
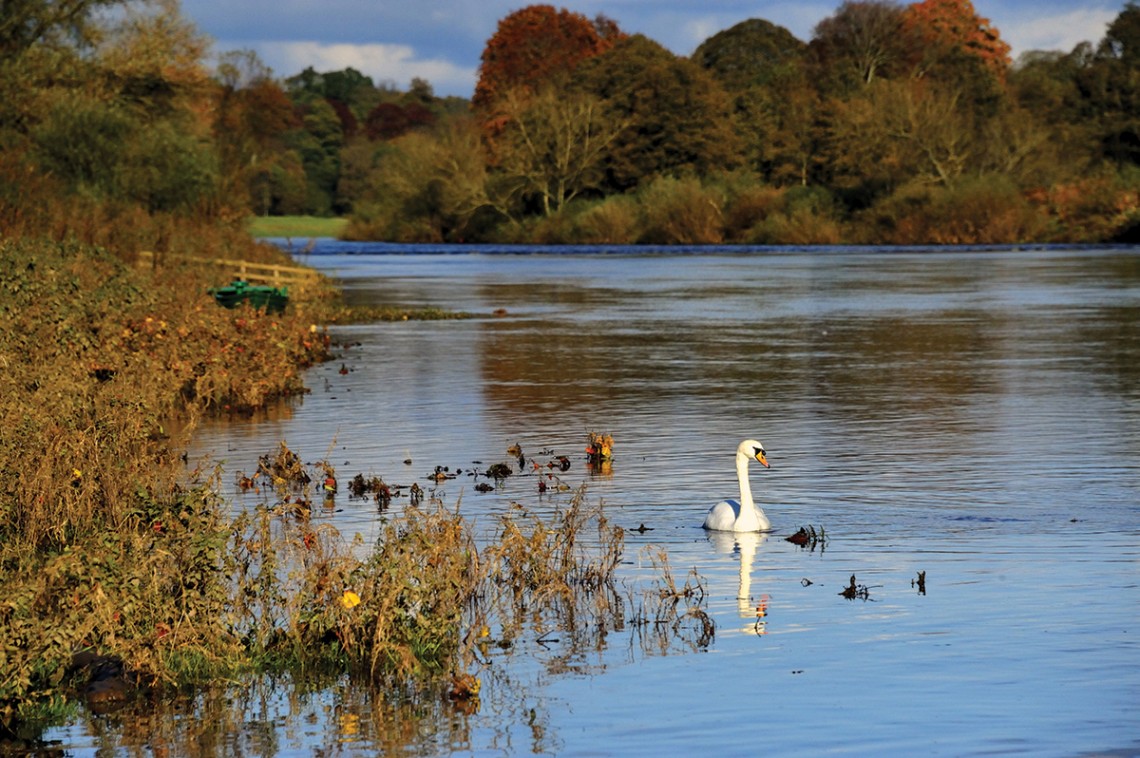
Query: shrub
x=613 y=221
x=806 y=216
x=979 y=210
x=680 y=212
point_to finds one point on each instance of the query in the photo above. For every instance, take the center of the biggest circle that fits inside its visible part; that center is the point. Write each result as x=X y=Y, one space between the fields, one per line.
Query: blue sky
x=441 y=40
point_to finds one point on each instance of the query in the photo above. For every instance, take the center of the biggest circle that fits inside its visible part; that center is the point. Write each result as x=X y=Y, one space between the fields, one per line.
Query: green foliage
x=47 y=22
x=167 y=169
x=82 y=140
x=752 y=53
x=677 y=116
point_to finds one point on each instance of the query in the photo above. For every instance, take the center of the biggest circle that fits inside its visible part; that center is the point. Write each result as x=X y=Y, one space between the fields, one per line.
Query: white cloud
x=394 y=63
x=1062 y=31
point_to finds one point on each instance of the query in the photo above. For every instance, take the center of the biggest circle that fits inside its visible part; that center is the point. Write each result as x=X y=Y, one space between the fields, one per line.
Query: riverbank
x=106 y=543
x=126 y=574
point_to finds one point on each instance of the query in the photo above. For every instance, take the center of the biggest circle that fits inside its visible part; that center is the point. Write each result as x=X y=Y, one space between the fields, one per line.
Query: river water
x=973 y=415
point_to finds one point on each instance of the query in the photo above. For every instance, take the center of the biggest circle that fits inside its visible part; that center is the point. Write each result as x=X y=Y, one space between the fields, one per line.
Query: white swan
x=742 y=516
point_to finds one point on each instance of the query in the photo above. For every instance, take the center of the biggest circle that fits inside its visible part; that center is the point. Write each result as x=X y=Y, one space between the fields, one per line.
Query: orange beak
x=760 y=457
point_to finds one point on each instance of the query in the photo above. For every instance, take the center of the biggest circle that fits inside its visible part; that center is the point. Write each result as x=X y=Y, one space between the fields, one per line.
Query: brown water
x=974 y=415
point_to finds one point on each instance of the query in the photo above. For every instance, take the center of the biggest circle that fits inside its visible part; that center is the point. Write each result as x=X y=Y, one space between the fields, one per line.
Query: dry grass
x=107 y=543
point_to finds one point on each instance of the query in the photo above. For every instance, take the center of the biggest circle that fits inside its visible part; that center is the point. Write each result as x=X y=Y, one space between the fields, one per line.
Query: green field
x=295 y=226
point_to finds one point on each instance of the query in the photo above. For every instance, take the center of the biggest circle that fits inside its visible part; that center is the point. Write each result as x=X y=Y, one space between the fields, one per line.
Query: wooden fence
x=267 y=273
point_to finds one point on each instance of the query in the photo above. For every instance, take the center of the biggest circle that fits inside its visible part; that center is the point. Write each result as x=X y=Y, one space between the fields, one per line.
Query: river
x=968 y=416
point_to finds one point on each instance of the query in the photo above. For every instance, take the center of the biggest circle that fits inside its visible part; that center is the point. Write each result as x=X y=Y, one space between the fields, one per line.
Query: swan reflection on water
x=745 y=545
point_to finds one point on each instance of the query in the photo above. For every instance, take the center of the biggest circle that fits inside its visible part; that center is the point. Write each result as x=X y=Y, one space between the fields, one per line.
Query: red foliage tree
x=385 y=121
x=947 y=27
x=390 y=120
x=538 y=45
x=348 y=122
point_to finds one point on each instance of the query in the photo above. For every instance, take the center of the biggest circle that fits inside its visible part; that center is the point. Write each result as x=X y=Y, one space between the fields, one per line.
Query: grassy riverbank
x=117 y=558
x=296 y=227
x=103 y=547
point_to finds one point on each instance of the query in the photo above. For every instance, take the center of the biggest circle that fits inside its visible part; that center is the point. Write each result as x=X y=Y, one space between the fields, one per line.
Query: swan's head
x=753 y=450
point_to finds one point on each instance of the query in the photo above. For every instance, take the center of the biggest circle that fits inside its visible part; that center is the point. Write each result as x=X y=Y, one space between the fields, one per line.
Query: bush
x=748 y=207
x=613 y=221
x=980 y=210
x=803 y=216
x=680 y=212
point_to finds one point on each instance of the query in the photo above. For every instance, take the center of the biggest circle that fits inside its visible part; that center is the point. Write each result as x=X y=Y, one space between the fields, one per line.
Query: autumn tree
x=1110 y=85
x=751 y=53
x=862 y=41
x=390 y=120
x=424 y=186
x=254 y=117
x=125 y=117
x=552 y=145
x=951 y=31
x=538 y=45
x=679 y=117
x=62 y=23
x=762 y=67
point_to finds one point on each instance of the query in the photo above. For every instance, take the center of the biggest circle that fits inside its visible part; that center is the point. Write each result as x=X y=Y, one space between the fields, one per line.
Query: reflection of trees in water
x=858 y=366
x=882 y=365
x=1111 y=337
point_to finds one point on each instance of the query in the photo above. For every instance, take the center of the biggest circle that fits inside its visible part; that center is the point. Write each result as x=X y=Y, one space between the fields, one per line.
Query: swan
x=742 y=516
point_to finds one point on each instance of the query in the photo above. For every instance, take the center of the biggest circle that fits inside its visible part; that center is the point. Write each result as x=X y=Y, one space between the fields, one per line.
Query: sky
x=394 y=41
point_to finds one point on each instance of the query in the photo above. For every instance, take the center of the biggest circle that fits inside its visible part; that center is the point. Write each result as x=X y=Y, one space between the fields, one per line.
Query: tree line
x=894 y=124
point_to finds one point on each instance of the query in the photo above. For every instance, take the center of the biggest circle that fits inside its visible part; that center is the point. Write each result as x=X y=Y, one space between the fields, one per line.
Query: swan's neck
x=747 y=517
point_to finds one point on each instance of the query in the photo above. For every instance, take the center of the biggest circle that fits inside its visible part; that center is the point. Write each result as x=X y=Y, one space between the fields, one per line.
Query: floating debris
x=920 y=582
x=599 y=454
x=360 y=487
x=599 y=449
x=516 y=452
x=498 y=471
x=808 y=537
x=853 y=591
x=464 y=686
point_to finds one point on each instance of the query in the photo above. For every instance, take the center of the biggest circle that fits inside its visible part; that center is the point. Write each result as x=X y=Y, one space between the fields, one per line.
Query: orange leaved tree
x=952 y=28
x=538 y=45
